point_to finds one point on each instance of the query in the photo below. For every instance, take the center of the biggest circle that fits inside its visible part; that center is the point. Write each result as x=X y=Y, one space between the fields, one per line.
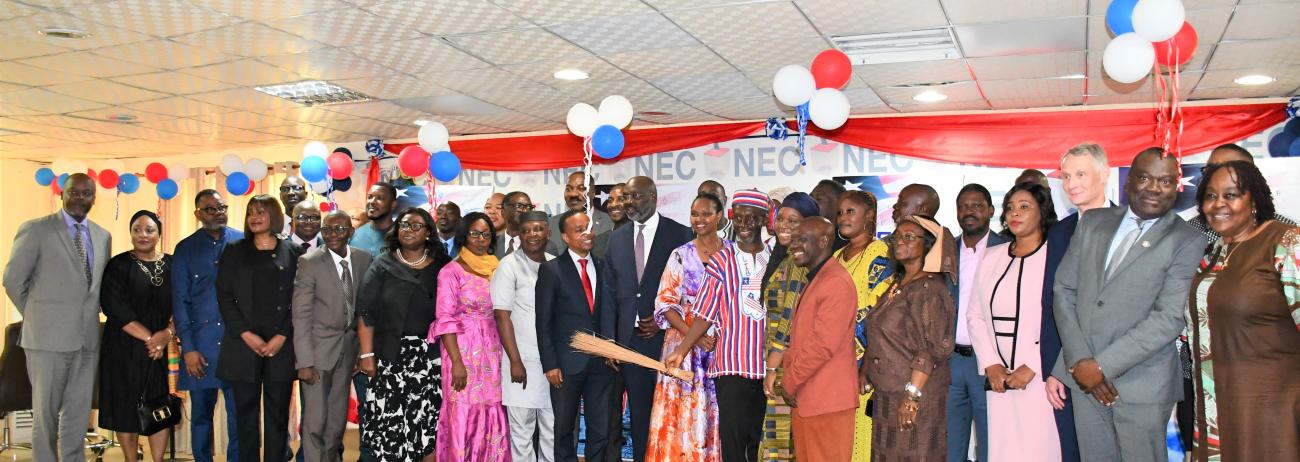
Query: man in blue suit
x=199 y=324
x=635 y=260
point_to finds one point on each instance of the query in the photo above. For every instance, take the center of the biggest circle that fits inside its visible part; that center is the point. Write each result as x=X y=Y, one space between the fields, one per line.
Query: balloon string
x=801 y=114
x=117 y=204
x=586 y=177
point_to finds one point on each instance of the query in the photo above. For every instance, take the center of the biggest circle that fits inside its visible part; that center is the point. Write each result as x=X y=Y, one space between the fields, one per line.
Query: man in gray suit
x=1119 y=295
x=575 y=197
x=325 y=335
x=53 y=277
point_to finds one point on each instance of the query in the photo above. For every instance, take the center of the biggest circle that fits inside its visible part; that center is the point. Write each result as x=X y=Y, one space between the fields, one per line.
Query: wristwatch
x=366 y=355
x=913 y=393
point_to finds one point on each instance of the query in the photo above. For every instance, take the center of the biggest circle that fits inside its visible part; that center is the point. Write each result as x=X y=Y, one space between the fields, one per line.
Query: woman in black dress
x=254 y=293
x=396 y=303
x=136 y=298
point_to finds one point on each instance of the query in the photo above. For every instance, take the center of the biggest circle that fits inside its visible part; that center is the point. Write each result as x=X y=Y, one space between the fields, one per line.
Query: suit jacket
x=1129 y=323
x=324 y=335
x=499 y=250
x=562 y=311
x=601 y=224
x=239 y=303
x=1058 y=240
x=636 y=298
x=821 y=358
x=47 y=283
x=194 y=302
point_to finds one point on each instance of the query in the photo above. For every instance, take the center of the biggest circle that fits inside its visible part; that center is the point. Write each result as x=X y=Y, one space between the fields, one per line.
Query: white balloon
x=255 y=169
x=433 y=137
x=315 y=149
x=615 y=110
x=828 y=108
x=61 y=165
x=320 y=187
x=178 y=172
x=77 y=166
x=1128 y=58
x=1158 y=20
x=582 y=119
x=793 y=85
x=230 y=164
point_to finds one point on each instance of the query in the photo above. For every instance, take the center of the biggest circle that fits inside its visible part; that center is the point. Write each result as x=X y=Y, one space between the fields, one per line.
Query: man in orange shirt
x=820 y=379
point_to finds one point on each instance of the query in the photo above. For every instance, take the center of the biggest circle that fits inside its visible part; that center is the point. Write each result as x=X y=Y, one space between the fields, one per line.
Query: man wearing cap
x=523 y=382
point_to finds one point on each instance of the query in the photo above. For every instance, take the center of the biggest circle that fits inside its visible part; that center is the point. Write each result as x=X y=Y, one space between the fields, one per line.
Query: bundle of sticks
x=593 y=345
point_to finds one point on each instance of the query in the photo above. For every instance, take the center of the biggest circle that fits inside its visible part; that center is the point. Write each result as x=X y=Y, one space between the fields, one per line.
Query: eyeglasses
x=334 y=230
x=210 y=210
x=75 y=194
x=289 y=188
x=907 y=237
x=411 y=226
x=480 y=235
x=523 y=207
x=307 y=218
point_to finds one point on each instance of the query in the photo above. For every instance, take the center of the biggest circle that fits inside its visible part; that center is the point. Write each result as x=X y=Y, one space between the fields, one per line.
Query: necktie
x=640 y=250
x=586 y=286
x=80 y=246
x=510 y=247
x=347 y=289
x=306 y=246
x=1124 y=247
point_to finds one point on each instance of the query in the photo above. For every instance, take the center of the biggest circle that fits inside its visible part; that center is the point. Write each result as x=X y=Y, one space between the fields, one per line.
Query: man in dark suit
x=325 y=335
x=516 y=203
x=447 y=222
x=1084 y=172
x=305 y=226
x=637 y=256
x=573 y=296
x=53 y=278
x=575 y=198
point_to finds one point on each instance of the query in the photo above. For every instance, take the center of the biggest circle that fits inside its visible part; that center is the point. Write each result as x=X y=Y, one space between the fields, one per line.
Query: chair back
x=15 y=386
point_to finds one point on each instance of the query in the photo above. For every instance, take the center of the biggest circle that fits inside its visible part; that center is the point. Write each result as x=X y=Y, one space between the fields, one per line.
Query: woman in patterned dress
x=684 y=419
x=472 y=425
x=1244 y=323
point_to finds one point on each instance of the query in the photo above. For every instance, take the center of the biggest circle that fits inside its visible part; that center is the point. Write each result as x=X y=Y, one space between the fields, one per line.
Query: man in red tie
x=572 y=296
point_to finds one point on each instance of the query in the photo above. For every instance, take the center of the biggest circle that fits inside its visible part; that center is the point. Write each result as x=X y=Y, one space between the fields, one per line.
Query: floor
x=115 y=454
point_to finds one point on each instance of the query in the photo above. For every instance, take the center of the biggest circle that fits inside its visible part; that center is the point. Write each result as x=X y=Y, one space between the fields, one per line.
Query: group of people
x=1055 y=339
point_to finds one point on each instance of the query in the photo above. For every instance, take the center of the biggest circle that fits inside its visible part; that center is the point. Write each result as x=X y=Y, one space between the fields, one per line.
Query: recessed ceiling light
x=929 y=96
x=313 y=93
x=572 y=74
x=653 y=113
x=122 y=118
x=421 y=122
x=1256 y=79
x=64 y=33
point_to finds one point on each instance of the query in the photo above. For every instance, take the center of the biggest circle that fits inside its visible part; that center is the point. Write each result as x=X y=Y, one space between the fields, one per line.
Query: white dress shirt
x=338 y=268
x=970 y=261
x=316 y=242
x=1127 y=224
x=648 y=229
x=591 y=271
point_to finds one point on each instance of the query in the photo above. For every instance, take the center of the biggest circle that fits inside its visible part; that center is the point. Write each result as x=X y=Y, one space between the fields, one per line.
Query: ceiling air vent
x=314 y=93
x=899 y=47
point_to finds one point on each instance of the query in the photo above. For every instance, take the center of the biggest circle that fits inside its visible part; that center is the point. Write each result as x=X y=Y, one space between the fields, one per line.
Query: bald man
x=1229 y=153
x=1031 y=175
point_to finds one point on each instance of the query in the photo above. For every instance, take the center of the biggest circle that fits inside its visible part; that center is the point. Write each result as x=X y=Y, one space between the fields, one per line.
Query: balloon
x=1128 y=58
x=413 y=161
x=326 y=207
x=320 y=187
x=63 y=178
x=315 y=149
x=444 y=165
x=54 y=188
x=255 y=169
x=1179 y=48
x=237 y=183
x=155 y=172
x=828 y=108
x=314 y=169
x=832 y=69
x=433 y=136
x=178 y=172
x=108 y=178
x=252 y=187
x=44 y=176
x=582 y=119
x=615 y=110
x=61 y=165
x=1281 y=144
x=343 y=185
x=1292 y=126
x=1158 y=20
x=230 y=164
x=607 y=141
x=340 y=165
x=90 y=172
x=128 y=183
x=793 y=85
x=1119 y=16
x=167 y=189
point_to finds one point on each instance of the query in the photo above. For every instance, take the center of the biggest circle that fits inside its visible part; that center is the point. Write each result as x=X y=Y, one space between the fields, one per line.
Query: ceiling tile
x=448 y=17
x=376 y=109
x=1262 y=91
x=10 y=10
x=418 y=56
x=245 y=72
x=16 y=48
x=772 y=55
x=344 y=28
x=1266 y=21
x=250 y=39
x=945 y=106
x=1029 y=66
x=957 y=92
x=246 y=136
x=243 y=119
x=521 y=46
x=531 y=98
x=663 y=5
x=499 y=120
x=1237 y=55
x=72 y=136
x=836 y=17
x=458 y=127
x=393 y=87
x=544 y=72
x=34 y=140
x=16 y=72
x=306 y=114
x=182 y=126
x=617 y=34
x=28 y=27
x=8 y=87
x=884 y=75
x=537 y=127
x=104 y=91
x=268 y=10
x=85 y=63
x=760 y=107
x=21 y=124
x=1032 y=88
x=1286 y=76
x=171 y=82
x=640 y=93
x=179 y=107
x=477 y=81
x=1021 y=37
x=372 y=128
x=863 y=98
x=244 y=98
x=46 y=101
x=549 y=12
x=735 y=23
x=973 y=11
x=326 y=64
x=649 y=64
x=164 y=54
x=307 y=132
x=98 y=119
x=162 y=18
x=1098 y=7
x=691 y=88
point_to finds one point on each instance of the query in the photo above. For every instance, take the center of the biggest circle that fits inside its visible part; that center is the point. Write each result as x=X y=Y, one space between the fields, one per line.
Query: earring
x=1252 y=211
x=841 y=236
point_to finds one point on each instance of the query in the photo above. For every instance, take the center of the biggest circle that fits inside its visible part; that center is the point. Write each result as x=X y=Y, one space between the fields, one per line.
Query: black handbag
x=158 y=413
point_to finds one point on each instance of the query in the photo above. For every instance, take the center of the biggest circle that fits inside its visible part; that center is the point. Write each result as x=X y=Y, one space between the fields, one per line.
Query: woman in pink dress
x=472 y=425
x=1005 y=321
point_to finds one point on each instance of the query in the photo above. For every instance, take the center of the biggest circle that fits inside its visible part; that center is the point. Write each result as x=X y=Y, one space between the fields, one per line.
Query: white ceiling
x=185 y=68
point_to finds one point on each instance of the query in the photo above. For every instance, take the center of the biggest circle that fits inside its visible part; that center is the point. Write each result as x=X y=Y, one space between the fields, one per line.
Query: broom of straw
x=593 y=345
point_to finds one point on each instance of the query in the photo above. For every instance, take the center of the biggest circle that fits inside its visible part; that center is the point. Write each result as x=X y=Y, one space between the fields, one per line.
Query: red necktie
x=586 y=286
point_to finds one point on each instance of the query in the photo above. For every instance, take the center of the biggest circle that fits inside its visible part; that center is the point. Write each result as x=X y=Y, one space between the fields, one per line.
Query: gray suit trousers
x=325 y=413
x=62 y=384
x=1124 y=432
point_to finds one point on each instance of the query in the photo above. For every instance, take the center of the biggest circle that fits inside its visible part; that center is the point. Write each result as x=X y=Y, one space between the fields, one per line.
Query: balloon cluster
x=112 y=174
x=815 y=94
x=241 y=176
x=1147 y=32
x=1286 y=143
x=415 y=160
x=602 y=128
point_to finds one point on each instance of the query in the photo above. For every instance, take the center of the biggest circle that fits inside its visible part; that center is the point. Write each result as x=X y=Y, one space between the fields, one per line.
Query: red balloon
x=251 y=188
x=108 y=178
x=326 y=207
x=155 y=172
x=340 y=165
x=831 y=69
x=54 y=188
x=1179 y=48
x=91 y=172
x=413 y=161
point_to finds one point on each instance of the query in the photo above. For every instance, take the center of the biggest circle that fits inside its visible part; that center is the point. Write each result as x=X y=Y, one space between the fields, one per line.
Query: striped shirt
x=730 y=299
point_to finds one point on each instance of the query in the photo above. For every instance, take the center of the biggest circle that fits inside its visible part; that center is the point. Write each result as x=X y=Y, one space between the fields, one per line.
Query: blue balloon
x=237 y=183
x=44 y=176
x=315 y=169
x=1292 y=126
x=607 y=141
x=1282 y=145
x=128 y=183
x=343 y=185
x=63 y=178
x=444 y=165
x=1119 y=16
x=167 y=189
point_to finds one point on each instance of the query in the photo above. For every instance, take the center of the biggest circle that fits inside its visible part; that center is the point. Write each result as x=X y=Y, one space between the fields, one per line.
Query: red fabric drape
x=1017 y=139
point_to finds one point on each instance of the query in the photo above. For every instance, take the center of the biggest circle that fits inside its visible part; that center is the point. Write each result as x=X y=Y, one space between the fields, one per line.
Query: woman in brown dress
x=910 y=335
x=1244 y=307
